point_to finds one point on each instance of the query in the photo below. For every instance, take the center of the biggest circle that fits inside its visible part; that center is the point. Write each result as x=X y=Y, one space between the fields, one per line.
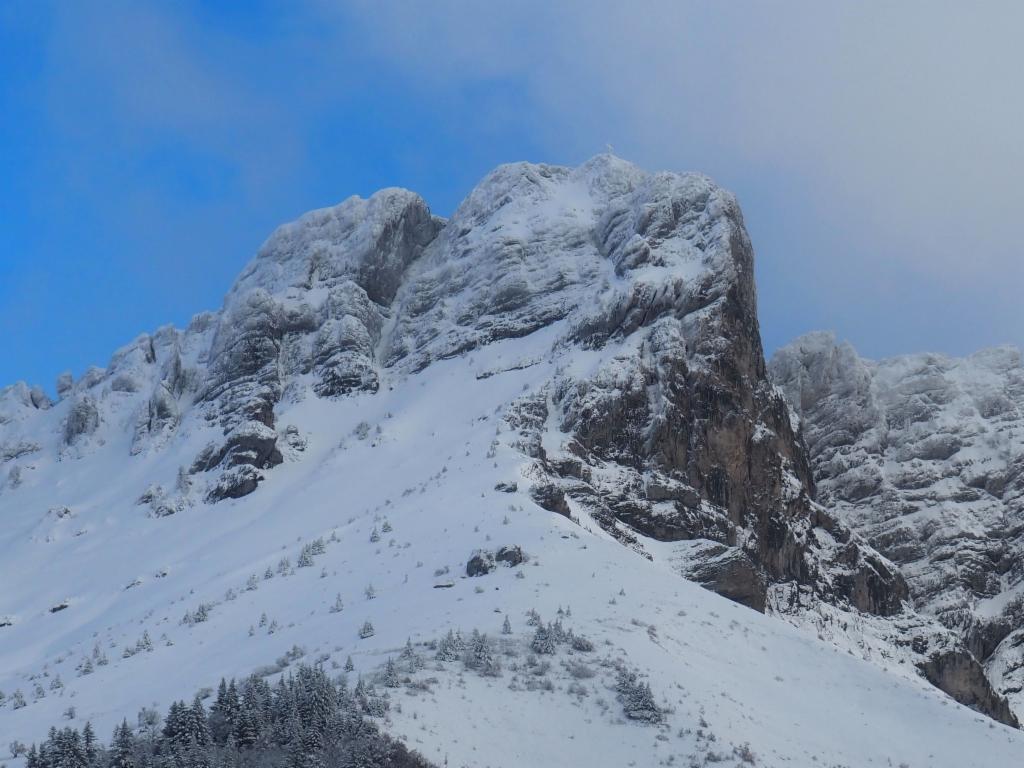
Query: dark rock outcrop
x=550 y=497
x=510 y=556
x=480 y=564
x=960 y=675
x=731 y=573
x=692 y=440
x=484 y=561
x=234 y=483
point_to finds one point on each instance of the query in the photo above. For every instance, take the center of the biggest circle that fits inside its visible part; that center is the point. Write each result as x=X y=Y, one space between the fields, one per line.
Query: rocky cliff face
x=924 y=457
x=658 y=425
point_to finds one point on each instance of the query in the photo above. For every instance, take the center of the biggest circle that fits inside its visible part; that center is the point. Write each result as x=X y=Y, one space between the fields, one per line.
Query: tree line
x=305 y=720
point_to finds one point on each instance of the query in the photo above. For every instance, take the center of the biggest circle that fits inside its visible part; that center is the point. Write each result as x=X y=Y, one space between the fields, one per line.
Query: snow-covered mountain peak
x=371 y=241
x=556 y=396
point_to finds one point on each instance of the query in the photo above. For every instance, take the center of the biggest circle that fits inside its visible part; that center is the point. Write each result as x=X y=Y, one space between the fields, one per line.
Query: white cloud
x=894 y=129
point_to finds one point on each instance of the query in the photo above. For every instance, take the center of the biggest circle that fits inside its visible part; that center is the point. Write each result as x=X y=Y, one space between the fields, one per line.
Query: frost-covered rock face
x=312 y=303
x=624 y=300
x=924 y=457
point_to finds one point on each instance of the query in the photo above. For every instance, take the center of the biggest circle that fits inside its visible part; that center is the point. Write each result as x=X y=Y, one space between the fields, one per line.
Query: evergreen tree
x=224 y=712
x=246 y=731
x=409 y=657
x=317 y=697
x=89 y=744
x=122 y=747
x=64 y=749
x=543 y=641
x=479 y=656
x=636 y=697
x=450 y=648
x=390 y=676
x=557 y=631
x=408 y=652
x=174 y=728
x=197 y=729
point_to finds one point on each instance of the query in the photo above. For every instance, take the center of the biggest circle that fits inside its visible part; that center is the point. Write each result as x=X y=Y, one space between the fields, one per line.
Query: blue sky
x=147 y=149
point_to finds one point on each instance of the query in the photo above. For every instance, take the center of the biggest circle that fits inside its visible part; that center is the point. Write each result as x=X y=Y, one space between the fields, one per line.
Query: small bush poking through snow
x=581 y=644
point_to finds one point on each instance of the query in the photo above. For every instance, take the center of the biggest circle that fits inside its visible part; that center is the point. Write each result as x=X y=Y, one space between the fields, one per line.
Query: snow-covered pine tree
x=89 y=744
x=196 y=725
x=448 y=649
x=543 y=642
x=636 y=698
x=557 y=631
x=479 y=655
x=409 y=657
x=245 y=731
x=122 y=747
x=390 y=677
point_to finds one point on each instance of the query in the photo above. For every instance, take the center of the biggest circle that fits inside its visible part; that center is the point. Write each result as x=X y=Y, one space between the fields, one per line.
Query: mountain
x=923 y=456
x=551 y=409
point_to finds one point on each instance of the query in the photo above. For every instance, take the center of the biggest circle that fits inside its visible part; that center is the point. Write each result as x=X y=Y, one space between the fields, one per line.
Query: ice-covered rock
x=923 y=455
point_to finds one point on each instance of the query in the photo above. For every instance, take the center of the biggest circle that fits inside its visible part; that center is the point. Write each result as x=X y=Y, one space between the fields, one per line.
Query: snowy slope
x=364 y=387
